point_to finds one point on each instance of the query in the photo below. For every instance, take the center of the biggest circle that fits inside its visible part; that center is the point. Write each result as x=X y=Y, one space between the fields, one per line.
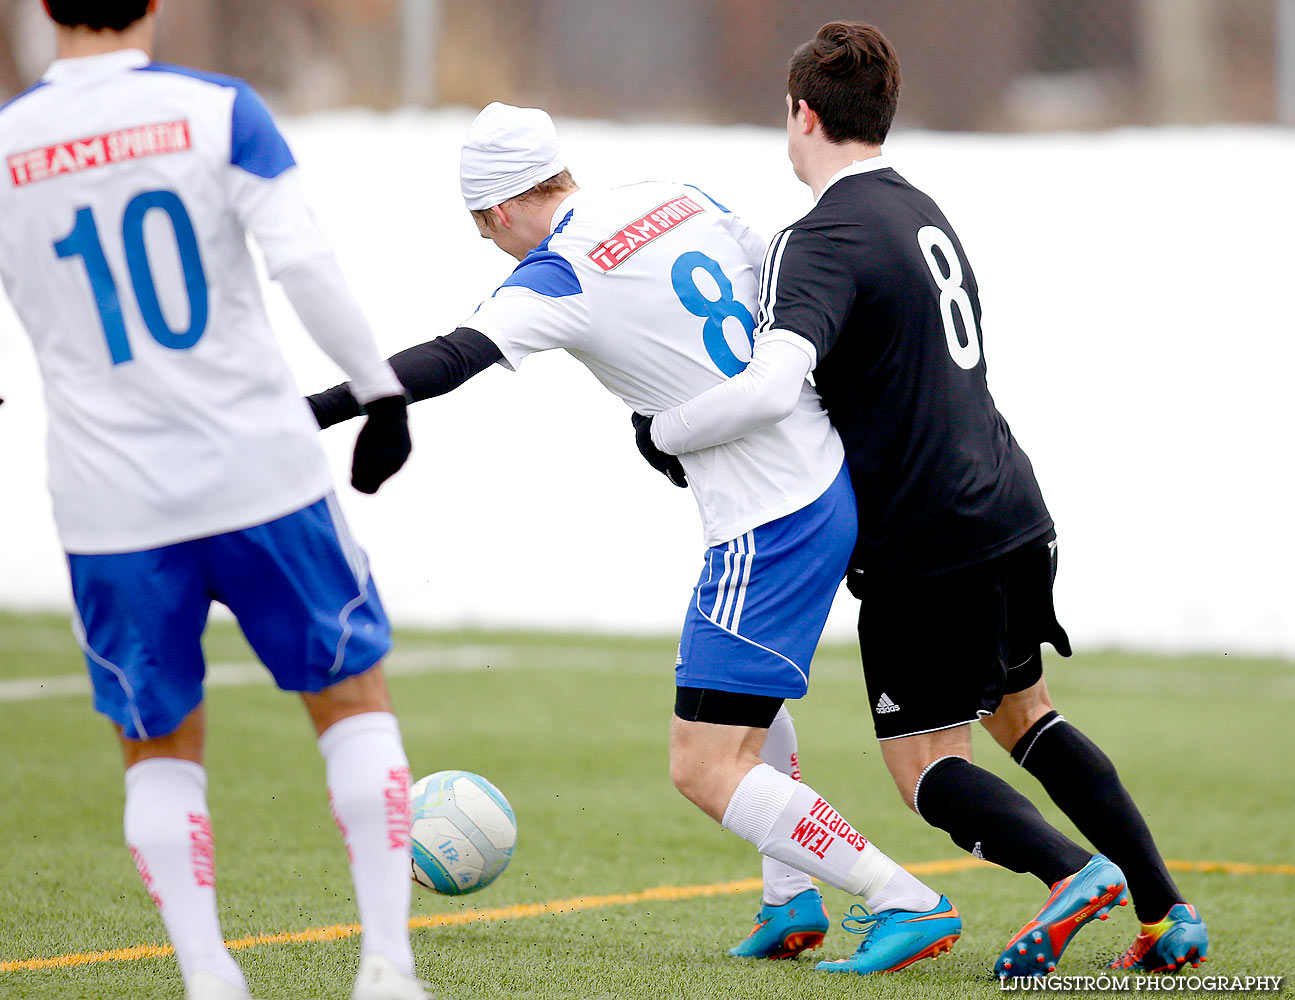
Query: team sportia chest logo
x=98 y=151
x=628 y=240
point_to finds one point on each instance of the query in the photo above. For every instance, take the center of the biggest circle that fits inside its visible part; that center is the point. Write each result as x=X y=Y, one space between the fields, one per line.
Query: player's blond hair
x=557 y=184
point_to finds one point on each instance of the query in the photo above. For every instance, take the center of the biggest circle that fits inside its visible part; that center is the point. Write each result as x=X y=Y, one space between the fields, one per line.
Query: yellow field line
x=1229 y=867
x=520 y=911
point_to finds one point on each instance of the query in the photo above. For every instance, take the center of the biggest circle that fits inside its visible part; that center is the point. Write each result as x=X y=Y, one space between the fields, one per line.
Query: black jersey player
x=873 y=293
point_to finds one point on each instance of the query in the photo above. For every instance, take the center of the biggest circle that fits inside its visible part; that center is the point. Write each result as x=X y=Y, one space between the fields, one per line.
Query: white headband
x=507 y=151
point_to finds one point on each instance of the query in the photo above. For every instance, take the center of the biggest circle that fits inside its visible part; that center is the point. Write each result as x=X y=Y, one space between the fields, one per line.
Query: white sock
x=368 y=790
x=168 y=831
x=903 y=891
x=782 y=882
x=788 y=820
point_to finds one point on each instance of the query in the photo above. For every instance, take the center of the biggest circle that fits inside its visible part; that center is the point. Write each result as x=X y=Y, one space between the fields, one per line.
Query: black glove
x=667 y=465
x=334 y=405
x=383 y=444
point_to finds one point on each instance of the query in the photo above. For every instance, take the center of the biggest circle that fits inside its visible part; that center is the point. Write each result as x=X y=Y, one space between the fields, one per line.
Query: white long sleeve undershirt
x=331 y=315
x=764 y=393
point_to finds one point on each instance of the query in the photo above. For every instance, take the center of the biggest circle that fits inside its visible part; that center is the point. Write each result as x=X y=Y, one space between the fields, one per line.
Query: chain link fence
x=968 y=64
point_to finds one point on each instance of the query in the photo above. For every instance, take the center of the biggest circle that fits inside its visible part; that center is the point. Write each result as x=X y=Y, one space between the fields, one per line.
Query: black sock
x=1083 y=783
x=990 y=819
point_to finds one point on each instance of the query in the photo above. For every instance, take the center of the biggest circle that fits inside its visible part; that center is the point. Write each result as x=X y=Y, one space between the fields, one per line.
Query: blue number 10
x=83 y=241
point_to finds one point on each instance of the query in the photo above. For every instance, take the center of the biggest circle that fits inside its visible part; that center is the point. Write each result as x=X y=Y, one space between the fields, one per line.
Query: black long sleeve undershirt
x=425 y=370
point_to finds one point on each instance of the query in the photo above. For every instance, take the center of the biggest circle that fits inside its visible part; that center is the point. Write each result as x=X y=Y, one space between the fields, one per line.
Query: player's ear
x=806 y=116
x=501 y=218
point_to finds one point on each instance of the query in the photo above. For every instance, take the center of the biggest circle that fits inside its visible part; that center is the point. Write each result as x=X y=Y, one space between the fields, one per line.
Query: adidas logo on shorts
x=884 y=705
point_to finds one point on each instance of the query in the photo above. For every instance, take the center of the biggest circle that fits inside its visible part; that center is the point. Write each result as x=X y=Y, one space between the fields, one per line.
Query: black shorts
x=725 y=708
x=941 y=651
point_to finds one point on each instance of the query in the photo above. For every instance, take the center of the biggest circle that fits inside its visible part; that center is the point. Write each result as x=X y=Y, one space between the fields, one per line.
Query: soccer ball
x=463 y=832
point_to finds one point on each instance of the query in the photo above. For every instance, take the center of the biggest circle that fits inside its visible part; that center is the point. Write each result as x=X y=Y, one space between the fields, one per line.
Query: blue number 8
x=714 y=311
x=83 y=241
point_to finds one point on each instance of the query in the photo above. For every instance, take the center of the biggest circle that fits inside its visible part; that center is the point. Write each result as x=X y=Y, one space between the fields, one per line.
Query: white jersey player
x=649 y=287
x=653 y=287
x=182 y=464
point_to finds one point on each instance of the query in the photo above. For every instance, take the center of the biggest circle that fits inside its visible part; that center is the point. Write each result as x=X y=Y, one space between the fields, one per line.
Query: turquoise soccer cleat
x=785 y=931
x=897 y=938
x=1091 y=892
x=1168 y=946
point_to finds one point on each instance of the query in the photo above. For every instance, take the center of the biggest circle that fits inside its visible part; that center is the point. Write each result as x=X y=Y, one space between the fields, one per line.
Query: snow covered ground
x=1139 y=323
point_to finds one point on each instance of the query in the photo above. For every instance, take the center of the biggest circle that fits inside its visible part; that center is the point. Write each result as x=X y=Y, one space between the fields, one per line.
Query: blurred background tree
x=1006 y=65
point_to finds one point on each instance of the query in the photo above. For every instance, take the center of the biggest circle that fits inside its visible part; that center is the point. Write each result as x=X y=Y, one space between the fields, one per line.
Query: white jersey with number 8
x=654 y=287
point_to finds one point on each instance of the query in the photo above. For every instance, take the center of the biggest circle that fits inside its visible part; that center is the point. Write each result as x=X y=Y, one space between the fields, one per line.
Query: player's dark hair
x=559 y=182
x=97 y=15
x=848 y=74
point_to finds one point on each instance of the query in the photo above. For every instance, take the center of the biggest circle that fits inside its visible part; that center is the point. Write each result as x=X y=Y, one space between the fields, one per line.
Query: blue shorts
x=759 y=608
x=299 y=587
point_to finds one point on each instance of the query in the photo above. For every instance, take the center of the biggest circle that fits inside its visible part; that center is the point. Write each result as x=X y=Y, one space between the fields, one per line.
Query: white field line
x=31 y=688
x=400 y=663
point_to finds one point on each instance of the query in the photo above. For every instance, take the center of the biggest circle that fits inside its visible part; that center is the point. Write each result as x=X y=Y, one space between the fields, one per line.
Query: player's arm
x=540 y=307
x=765 y=392
x=808 y=292
x=425 y=370
x=265 y=194
x=323 y=301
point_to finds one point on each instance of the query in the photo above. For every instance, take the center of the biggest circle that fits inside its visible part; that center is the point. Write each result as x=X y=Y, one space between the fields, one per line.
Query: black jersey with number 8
x=876 y=279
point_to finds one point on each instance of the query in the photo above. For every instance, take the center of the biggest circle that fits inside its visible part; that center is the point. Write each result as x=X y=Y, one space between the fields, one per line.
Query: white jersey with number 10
x=128 y=191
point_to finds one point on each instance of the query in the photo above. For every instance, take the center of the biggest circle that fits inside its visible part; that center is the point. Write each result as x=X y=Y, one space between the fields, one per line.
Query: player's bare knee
x=1017 y=713
x=903 y=773
x=366 y=692
x=680 y=776
x=1005 y=731
x=689 y=777
x=906 y=785
x=185 y=742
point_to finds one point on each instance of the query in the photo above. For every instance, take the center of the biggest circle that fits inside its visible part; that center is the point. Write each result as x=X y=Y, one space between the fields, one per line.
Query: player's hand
x=668 y=465
x=334 y=405
x=383 y=444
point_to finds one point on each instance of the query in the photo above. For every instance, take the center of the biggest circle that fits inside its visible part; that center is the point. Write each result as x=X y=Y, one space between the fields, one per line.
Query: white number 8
x=951 y=294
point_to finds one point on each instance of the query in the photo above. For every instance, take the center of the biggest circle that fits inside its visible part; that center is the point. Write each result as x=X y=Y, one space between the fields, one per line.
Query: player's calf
x=782 y=883
x=368 y=792
x=168 y=831
x=784 y=818
x=707 y=761
x=990 y=819
x=1084 y=783
x=788 y=820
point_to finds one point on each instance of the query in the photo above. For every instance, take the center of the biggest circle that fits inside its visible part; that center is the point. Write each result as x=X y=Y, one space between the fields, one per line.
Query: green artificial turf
x=573 y=730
